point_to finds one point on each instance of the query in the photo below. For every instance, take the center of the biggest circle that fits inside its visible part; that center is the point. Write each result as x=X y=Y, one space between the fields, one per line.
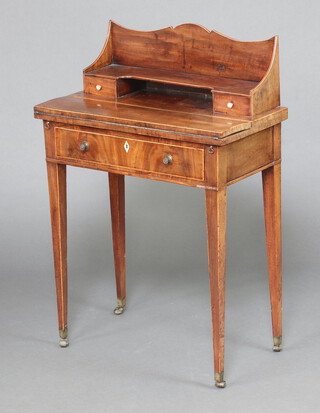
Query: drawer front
x=131 y=154
x=231 y=104
x=100 y=86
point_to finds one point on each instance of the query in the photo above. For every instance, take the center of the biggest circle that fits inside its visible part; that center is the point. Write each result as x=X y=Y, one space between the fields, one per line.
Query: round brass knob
x=230 y=105
x=98 y=87
x=167 y=160
x=84 y=146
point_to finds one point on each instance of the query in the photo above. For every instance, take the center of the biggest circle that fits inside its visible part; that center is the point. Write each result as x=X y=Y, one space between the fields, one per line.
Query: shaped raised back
x=241 y=78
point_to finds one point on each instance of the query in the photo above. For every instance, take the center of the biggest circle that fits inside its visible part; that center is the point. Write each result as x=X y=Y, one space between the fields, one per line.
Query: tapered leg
x=58 y=209
x=117 y=204
x=216 y=238
x=271 y=179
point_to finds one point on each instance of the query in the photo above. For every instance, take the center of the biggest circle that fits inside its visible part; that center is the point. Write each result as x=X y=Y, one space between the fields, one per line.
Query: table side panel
x=249 y=154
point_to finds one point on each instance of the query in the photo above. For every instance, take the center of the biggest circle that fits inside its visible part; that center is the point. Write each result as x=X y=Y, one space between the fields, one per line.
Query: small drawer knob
x=98 y=87
x=84 y=146
x=230 y=105
x=167 y=160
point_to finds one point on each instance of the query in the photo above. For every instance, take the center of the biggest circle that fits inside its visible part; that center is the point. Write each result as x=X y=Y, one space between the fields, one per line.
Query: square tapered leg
x=271 y=179
x=117 y=205
x=216 y=202
x=58 y=210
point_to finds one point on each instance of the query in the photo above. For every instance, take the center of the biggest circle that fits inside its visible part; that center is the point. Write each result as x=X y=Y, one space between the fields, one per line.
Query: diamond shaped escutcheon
x=126 y=147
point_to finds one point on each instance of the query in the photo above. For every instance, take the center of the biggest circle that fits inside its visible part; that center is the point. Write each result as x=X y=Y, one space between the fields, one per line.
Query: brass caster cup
x=64 y=342
x=118 y=310
x=220 y=383
x=277 y=344
x=120 y=307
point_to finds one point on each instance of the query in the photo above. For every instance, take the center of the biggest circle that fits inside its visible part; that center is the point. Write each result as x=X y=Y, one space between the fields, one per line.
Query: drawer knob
x=84 y=146
x=230 y=105
x=98 y=87
x=167 y=160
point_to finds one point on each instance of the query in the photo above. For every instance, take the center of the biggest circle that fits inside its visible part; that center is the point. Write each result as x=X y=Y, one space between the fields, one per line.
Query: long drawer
x=131 y=154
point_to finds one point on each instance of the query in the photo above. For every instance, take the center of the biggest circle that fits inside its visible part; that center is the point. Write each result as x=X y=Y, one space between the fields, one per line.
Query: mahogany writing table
x=182 y=105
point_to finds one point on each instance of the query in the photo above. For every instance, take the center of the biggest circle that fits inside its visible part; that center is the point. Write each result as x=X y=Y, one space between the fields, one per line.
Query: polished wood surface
x=58 y=210
x=216 y=211
x=272 y=212
x=187 y=122
x=94 y=111
x=190 y=55
x=114 y=72
x=266 y=94
x=117 y=206
x=240 y=103
x=249 y=154
x=190 y=48
x=140 y=155
x=181 y=105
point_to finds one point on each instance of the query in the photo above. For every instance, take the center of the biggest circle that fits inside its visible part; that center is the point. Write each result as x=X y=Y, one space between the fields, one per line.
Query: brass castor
x=220 y=383
x=121 y=303
x=64 y=342
x=277 y=344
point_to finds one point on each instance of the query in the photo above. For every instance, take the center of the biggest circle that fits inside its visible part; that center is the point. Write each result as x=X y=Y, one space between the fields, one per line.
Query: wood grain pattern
x=142 y=155
x=95 y=112
x=216 y=164
x=193 y=56
x=271 y=179
x=192 y=49
x=128 y=172
x=117 y=206
x=240 y=104
x=91 y=110
x=173 y=77
x=250 y=173
x=266 y=95
x=173 y=102
x=163 y=93
x=216 y=211
x=259 y=122
x=49 y=139
x=58 y=209
x=249 y=154
x=277 y=141
x=108 y=86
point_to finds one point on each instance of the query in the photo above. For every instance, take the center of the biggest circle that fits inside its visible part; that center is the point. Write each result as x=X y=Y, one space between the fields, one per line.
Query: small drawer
x=100 y=86
x=129 y=154
x=231 y=104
